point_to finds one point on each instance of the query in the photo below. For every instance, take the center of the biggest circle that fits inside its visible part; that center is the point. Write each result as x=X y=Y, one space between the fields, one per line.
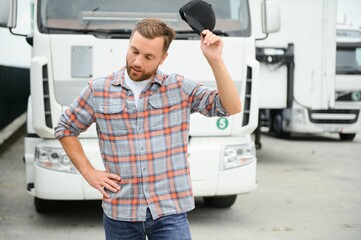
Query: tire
x=220 y=201
x=347 y=136
x=43 y=206
x=277 y=128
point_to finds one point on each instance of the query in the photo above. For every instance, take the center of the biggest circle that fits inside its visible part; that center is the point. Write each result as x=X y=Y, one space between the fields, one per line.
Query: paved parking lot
x=309 y=188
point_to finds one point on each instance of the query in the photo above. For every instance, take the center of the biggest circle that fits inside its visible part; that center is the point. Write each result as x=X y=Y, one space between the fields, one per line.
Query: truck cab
x=312 y=74
x=348 y=73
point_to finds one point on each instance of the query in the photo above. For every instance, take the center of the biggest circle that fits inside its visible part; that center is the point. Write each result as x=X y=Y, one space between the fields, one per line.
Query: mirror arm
x=260 y=39
x=16 y=34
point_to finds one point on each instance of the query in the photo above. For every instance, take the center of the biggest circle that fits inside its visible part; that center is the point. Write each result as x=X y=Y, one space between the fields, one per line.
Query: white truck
x=348 y=74
x=74 y=41
x=297 y=89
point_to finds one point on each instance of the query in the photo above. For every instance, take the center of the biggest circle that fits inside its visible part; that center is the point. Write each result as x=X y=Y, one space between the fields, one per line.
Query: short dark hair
x=152 y=27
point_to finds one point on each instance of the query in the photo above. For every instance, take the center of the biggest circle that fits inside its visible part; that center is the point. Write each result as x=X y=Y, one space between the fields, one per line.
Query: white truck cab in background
x=348 y=73
x=75 y=41
x=299 y=91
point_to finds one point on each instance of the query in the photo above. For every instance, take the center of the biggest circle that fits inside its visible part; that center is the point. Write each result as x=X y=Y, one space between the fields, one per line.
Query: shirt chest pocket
x=111 y=118
x=165 y=111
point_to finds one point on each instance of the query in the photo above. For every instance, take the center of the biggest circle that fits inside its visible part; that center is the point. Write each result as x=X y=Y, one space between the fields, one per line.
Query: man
x=142 y=117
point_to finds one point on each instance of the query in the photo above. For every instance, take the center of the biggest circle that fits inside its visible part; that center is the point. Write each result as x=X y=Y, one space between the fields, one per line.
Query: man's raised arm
x=212 y=46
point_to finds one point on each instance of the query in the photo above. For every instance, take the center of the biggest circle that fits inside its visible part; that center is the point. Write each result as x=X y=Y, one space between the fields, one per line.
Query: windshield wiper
x=348 y=70
x=354 y=72
x=187 y=34
x=101 y=33
x=190 y=34
x=112 y=33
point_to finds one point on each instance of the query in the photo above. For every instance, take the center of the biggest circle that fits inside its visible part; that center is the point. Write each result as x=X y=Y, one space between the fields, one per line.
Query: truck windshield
x=348 y=60
x=116 y=18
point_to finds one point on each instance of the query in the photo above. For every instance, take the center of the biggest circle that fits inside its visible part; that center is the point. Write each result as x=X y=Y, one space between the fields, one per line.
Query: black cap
x=199 y=15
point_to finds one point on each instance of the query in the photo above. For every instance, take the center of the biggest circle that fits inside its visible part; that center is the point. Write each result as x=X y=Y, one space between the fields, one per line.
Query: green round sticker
x=222 y=123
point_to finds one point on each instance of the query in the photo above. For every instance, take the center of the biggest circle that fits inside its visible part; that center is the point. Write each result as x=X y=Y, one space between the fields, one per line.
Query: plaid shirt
x=146 y=145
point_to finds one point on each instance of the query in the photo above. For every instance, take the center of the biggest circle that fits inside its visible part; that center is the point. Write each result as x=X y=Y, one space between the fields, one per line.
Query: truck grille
x=334 y=116
x=47 y=108
x=247 y=100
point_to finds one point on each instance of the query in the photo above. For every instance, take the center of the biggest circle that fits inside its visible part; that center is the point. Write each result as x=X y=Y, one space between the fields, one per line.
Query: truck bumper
x=337 y=120
x=205 y=155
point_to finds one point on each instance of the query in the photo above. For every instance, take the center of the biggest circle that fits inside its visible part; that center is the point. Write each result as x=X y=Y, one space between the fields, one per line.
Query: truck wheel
x=220 y=201
x=277 y=126
x=347 y=136
x=42 y=206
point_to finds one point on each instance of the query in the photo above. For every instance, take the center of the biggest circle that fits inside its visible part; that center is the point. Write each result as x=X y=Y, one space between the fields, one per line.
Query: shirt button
x=142 y=148
x=134 y=111
x=139 y=129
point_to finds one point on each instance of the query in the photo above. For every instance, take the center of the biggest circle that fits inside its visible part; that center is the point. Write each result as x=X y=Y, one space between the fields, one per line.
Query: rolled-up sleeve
x=78 y=116
x=204 y=100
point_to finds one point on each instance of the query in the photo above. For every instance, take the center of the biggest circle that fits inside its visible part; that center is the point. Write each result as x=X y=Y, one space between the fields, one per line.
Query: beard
x=138 y=74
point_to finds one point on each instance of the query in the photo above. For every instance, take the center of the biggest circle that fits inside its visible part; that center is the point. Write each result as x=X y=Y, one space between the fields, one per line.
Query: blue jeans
x=168 y=227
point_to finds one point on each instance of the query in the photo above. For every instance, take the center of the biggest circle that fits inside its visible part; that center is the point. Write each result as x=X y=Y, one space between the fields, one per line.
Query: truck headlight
x=356 y=95
x=53 y=159
x=238 y=155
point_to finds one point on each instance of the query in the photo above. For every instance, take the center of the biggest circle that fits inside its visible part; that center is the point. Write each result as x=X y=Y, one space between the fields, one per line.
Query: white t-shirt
x=135 y=86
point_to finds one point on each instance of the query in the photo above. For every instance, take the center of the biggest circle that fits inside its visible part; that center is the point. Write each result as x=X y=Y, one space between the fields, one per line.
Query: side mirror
x=8 y=11
x=271 y=17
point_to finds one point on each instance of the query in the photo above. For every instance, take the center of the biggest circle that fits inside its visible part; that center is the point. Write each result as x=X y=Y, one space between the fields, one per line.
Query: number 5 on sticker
x=222 y=123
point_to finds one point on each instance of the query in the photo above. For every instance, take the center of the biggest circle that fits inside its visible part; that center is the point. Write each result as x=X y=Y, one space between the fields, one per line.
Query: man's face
x=144 y=56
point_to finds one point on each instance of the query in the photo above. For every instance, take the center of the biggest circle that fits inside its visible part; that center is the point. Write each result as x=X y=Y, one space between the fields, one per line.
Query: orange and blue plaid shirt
x=147 y=144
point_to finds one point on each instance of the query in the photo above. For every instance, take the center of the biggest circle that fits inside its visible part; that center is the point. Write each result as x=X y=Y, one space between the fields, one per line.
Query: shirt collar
x=119 y=77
